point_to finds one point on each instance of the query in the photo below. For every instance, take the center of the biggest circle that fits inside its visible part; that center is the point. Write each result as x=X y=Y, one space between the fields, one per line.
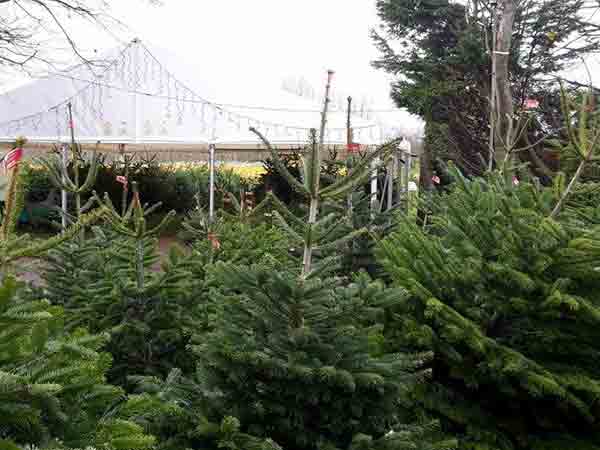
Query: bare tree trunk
x=502 y=107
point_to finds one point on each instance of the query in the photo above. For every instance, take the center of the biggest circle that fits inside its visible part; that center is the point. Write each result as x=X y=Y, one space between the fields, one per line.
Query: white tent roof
x=149 y=95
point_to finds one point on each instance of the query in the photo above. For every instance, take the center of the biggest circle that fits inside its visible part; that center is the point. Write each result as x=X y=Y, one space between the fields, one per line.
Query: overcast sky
x=267 y=39
x=260 y=40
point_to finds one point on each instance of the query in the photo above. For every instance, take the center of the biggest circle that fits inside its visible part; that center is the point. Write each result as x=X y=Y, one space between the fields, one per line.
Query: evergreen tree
x=290 y=355
x=440 y=50
x=53 y=390
x=72 y=267
x=289 y=359
x=242 y=237
x=13 y=247
x=507 y=298
x=60 y=176
x=182 y=416
x=319 y=235
x=148 y=312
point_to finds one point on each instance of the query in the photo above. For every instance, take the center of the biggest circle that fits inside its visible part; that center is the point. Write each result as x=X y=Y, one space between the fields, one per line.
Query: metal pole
x=63 y=193
x=211 y=168
x=374 y=165
x=137 y=109
x=349 y=124
x=211 y=190
x=349 y=142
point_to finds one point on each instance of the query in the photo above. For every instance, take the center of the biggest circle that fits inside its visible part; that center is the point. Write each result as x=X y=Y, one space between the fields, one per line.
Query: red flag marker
x=353 y=147
x=12 y=158
x=531 y=103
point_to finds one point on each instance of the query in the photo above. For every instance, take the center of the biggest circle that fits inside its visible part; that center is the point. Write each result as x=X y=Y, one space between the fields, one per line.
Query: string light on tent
x=156 y=79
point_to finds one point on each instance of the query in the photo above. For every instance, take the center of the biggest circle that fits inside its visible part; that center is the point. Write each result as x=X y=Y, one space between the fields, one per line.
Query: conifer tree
x=290 y=355
x=53 y=390
x=290 y=360
x=507 y=298
x=182 y=416
x=14 y=247
x=60 y=177
x=314 y=233
x=242 y=237
x=148 y=312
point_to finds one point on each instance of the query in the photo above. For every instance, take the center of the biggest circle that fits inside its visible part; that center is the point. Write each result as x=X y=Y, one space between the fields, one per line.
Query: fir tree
x=314 y=233
x=52 y=383
x=506 y=297
x=62 y=179
x=13 y=247
x=291 y=357
x=148 y=312
x=182 y=416
x=242 y=237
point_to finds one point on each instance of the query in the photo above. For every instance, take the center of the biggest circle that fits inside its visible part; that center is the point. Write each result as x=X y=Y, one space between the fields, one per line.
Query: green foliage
x=247 y=244
x=438 y=50
x=506 y=297
x=173 y=186
x=112 y=283
x=52 y=383
x=273 y=181
x=179 y=413
x=319 y=235
x=36 y=182
x=292 y=360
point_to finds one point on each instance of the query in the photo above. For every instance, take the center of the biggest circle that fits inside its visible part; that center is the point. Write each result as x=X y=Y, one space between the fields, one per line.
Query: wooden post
x=493 y=103
x=390 y=181
x=502 y=92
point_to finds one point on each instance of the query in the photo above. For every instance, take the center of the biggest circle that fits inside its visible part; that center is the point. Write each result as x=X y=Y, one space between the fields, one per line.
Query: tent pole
x=374 y=165
x=137 y=110
x=390 y=183
x=63 y=192
x=211 y=167
x=211 y=190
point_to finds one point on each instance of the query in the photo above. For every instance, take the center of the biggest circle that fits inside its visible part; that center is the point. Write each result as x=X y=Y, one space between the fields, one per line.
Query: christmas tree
x=147 y=309
x=53 y=390
x=291 y=354
x=319 y=235
x=506 y=297
x=291 y=361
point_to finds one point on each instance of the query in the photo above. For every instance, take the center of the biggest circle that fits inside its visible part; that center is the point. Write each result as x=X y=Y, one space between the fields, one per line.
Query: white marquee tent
x=143 y=95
